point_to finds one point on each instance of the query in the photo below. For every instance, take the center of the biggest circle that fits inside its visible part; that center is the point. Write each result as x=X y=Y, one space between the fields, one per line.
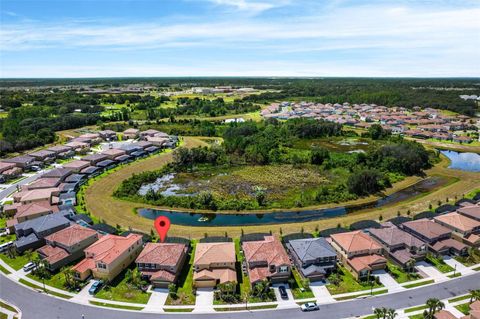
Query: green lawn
x=464 y=308
x=122 y=291
x=178 y=309
x=298 y=291
x=4 y=270
x=102 y=304
x=419 y=316
x=378 y=292
x=468 y=261
x=29 y=284
x=56 y=280
x=459 y=298
x=439 y=264
x=243 y=280
x=185 y=283
x=8 y=307
x=16 y=263
x=415 y=308
x=400 y=275
x=249 y=308
x=348 y=283
x=418 y=284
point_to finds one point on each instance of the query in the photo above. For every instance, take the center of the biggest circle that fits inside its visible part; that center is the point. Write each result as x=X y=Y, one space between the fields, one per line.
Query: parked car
x=309 y=306
x=95 y=287
x=28 y=267
x=4 y=247
x=283 y=292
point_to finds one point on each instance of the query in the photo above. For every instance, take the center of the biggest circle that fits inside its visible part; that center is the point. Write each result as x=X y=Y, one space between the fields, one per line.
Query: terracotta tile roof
x=76 y=164
x=35 y=208
x=207 y=253
x=393 y=236
x=71 y=235
x=458 y=221
x=270 y=250
x=164 y=275
x=444 y=314
x=472 y=212
x=427 y=228
x=355 y=241
x=364 y=262
x=6 y=166
x=53 y=254
x=84 y=265
x=447 y=244
x=44 y=183
x=109 y=247
x=258 y=274
x=222 y=274
x=161 y=254
x=38 y=194
x=113 y=152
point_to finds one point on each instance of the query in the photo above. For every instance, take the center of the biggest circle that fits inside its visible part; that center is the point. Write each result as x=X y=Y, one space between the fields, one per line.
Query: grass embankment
x=421 y=283
x=109 y=305
x=348 y=283
x=185 y=295
x=99 y=201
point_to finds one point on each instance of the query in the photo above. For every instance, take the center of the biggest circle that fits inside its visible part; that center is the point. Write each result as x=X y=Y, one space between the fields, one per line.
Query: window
x=283 y=269
x=101 y=266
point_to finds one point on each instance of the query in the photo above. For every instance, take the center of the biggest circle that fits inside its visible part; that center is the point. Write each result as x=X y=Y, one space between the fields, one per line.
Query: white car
x=29 y=266
x=309 y=306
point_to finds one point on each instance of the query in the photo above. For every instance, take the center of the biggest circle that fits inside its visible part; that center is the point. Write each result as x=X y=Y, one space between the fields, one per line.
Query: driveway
x=430 y=271
x=157 y=299
x=283 y=303
x=84 y=295
x=461 y=268
x=321 y=292
x=387 y=280
x=204 y=300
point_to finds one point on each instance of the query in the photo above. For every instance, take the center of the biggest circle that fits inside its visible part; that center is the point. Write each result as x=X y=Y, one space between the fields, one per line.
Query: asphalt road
x=35 y=305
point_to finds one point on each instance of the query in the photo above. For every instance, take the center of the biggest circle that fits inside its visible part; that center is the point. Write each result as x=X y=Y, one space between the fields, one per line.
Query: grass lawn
x=5 y=239
x=401 y=275
x=16 y=263
x=415 y=308
x=8 y=307
x=29 y=284
x=185 y=283
x=249 y=308
x=298 y=291
x=348 y=283
x=243 y=280
x=439 y=264
x=419 y=316
x=56 y=280
x=464 y=308
x=102 y=304
x=178 y=310
x=122 y=291
x=455 y=275
x=459 y=298
x=468 y=261
x=418 y=284
x=4 y=270
x=378 y=292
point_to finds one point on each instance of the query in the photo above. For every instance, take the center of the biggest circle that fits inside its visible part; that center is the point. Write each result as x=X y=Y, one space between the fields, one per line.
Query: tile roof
x=113 y=152
x=43 y=223
x=109 y=247
x=207 y=253
x=427 y=228
x=472 y=211
x=444 y=314
x=53 y=254
x=71 y=235
x=355 y=241
x=35 y=208
x=38 y=194
x=44 y=182
x=312 y=248
x=458 y=221
x=222 y=274
x=161 y=254
x=270 y=250
x=365 y=262
x=57 y=172
x=84 y=265
x=393 y=236
x=447 y=244
x=76 y=164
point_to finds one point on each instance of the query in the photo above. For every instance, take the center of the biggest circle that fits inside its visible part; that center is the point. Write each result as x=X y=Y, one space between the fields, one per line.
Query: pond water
x=463 y=161
x=280 y=217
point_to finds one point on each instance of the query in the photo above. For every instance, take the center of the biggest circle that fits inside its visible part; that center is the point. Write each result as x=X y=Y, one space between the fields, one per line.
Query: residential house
x=474 y=312
x=108 y=257
x=93 y=159
x=8 y=171
x=359 y=252
x=31 y=233
x=463 y=228
x=266 y=260
x=470 y=212
x=108 y=135
x=66 y=246
x=37 y=195
x=43 y=182
x=23 y=162
x=400 y=246
x=60 y=173
x=214 y=263
x=314 y=258
x=437 y=237
x=77 y=165
x=131 y=133
x=78 y=147
x=61 y=151
x=44 y=156
x=161 y=263
x=112 y=153
x=22 y=213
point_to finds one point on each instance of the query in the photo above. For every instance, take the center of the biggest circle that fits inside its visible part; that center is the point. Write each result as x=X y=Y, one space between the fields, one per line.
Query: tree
x=134 y=277
x=380 y=312
x=410 y=264
x=335 y=279
x=318 y=155
x=366 y=182
x=474 y=295
x=391 y=313
x=376 y=132
x=70 y=281
x=172 y=290
x=433 y=305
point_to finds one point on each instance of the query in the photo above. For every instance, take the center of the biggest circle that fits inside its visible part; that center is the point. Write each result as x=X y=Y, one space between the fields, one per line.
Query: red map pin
x=162 y=224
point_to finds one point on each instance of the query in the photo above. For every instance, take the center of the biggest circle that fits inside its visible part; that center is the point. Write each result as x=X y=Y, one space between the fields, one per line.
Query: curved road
x=35 y=305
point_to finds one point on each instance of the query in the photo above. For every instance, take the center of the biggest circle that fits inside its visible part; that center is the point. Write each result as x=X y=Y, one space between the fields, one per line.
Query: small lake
x=463 y=161
x=281 y=217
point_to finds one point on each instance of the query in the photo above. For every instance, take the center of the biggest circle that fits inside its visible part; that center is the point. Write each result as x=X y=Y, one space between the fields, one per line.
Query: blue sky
x=90 y=38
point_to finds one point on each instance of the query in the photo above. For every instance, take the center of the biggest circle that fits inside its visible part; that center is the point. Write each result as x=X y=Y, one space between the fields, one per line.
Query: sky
x=298 y=38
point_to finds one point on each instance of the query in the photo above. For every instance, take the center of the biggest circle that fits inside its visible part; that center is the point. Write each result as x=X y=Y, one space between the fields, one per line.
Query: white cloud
x=251 y=7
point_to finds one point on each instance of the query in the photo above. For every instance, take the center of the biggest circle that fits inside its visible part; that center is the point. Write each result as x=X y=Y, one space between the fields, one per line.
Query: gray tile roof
x=43 y=223
x=312 y=248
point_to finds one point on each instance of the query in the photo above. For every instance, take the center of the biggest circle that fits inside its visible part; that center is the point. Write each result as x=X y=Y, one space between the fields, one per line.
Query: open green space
x=103 y=304
x=121 y=290
x=348 y=283
x=50 y=292
x=16 y=262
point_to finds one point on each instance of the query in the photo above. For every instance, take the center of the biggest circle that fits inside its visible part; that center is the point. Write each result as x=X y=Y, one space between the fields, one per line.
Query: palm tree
x=391 y=313
x=70 y=281
x=474 y=295
x=410 y=265
x=380 y=312
x=434 y=305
